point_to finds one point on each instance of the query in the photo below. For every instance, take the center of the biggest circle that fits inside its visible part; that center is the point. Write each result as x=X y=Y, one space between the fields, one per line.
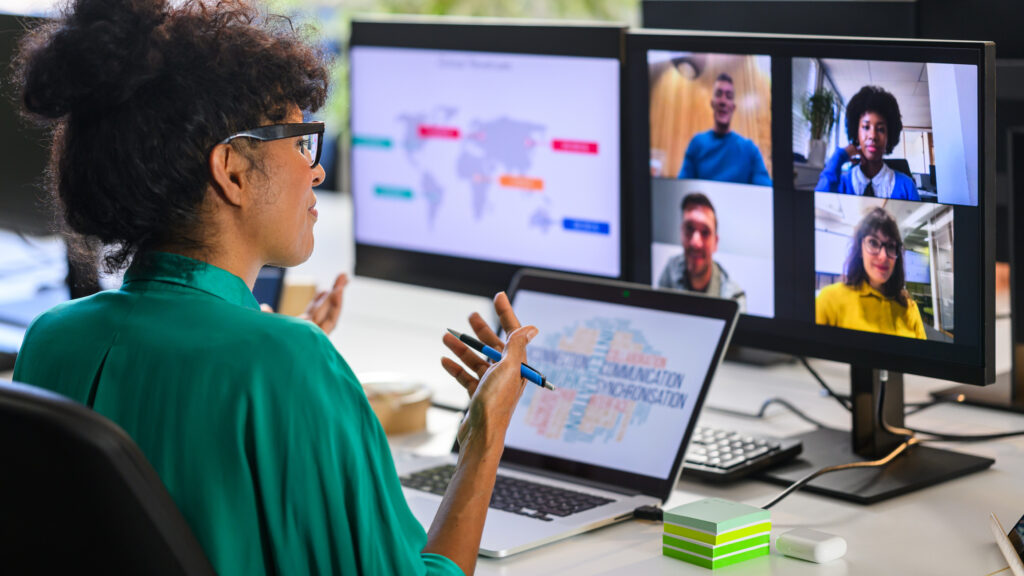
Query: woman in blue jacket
x=873 y=125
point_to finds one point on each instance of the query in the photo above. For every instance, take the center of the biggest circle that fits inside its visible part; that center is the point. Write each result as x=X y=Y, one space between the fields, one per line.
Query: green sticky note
x=716 y=515
x=715 y=551
x=717 y=539
x=713 y=563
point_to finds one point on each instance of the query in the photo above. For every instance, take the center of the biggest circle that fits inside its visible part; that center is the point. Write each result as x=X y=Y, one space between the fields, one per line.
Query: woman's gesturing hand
x=494 y=389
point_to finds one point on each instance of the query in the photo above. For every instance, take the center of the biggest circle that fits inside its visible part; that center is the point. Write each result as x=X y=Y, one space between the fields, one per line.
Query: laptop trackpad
x=506 y=532
x=502 y=530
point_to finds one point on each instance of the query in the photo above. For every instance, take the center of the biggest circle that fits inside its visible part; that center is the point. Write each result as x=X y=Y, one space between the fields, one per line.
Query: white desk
x=940 y=530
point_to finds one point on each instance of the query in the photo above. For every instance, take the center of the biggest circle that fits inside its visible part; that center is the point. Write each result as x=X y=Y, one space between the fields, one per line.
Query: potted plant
x=819 y=110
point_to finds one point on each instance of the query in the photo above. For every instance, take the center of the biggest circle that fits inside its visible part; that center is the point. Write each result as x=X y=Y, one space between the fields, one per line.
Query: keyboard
x=717 y=455
x=514 y=495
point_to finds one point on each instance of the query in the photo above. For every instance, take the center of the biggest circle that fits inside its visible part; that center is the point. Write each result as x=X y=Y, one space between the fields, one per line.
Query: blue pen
x=525 y=370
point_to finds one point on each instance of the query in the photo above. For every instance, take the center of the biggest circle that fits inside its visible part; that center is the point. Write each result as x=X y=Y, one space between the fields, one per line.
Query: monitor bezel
x=619 y=292
x=534 y=37
x=972 y=363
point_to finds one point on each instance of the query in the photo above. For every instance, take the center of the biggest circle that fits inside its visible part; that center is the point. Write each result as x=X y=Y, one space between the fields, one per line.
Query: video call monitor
x=840 y=189
x=479 y=148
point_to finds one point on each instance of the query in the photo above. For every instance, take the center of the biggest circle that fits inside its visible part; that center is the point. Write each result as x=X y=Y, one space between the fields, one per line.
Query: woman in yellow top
x=872 y=296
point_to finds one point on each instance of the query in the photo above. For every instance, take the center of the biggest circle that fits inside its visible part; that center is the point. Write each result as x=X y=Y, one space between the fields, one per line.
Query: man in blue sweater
x=721 y=154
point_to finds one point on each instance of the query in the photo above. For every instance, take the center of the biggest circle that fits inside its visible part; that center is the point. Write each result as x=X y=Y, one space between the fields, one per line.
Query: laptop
x=632 y=365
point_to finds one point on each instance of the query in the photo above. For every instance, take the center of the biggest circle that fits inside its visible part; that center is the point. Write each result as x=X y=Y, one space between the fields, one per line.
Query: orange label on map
x=522 y=182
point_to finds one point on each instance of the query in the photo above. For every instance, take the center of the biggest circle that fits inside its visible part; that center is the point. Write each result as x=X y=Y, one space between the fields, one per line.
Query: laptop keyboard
x=514 y=495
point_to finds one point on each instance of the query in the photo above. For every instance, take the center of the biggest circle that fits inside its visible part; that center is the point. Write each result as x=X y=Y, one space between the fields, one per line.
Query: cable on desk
x=908 y=433
x=883 y=381
x=850 y=466
x=883 y=377
x=764 y=407
x=648 y=512
x=915 y=407
x=844 y=401
x=908 y=441
x=967 y=437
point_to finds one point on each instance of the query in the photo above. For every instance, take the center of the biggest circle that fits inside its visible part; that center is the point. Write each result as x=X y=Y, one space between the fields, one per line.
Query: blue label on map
x=585 y=226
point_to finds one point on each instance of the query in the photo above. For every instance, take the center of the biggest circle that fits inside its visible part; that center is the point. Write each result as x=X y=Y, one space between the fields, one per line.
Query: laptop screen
x=631 y=366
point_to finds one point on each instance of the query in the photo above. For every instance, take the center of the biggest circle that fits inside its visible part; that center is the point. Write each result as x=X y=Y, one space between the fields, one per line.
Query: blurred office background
x=35 y=273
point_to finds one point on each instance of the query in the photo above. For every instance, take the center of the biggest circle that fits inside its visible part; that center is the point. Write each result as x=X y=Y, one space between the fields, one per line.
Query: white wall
x=954 y=103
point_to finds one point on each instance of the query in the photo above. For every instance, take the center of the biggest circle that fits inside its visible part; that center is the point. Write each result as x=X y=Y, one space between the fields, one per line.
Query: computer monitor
x=23 y=148
x=481 y=146
x=883 y=18
x=1015 y=151
x=1008 y=391
x=993 y=20
x=882 y=282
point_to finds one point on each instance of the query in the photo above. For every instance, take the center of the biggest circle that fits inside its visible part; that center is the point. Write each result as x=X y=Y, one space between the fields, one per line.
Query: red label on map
x=448 y=132
x=577 y=146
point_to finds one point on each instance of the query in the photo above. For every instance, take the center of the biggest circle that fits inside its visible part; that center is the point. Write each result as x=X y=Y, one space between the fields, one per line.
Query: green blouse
x=255 y=423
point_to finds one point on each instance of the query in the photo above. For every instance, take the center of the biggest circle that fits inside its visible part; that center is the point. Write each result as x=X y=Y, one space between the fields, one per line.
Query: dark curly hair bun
x=96 y=58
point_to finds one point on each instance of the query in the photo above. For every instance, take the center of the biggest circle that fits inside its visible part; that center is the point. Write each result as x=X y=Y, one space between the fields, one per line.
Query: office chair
x=899 y=165
x=77 y=495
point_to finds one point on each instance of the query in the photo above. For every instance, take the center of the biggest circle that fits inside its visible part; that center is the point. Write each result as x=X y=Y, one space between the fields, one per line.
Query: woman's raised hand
x=494 y=389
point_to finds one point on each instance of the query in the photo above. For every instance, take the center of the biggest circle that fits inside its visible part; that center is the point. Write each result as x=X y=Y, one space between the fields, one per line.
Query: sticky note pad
x=714 y=532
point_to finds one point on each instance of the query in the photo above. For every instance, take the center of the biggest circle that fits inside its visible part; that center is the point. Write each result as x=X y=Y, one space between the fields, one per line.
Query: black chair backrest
x=76 y=491
x=899 y=165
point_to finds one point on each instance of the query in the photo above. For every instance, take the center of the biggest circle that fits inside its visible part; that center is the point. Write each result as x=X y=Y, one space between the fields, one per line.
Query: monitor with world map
x=479 y=148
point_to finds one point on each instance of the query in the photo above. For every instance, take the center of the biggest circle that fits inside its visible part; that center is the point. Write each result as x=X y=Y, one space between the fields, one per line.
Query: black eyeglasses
x=312 y=133
x=874 y=246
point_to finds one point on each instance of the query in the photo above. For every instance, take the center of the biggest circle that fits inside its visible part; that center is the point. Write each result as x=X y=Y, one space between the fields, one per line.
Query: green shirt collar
x=195 y=274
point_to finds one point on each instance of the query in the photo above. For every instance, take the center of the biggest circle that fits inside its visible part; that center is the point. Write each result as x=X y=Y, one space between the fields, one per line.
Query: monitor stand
x=918 y=467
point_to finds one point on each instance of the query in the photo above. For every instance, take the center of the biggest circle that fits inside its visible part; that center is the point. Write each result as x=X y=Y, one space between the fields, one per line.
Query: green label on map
x=371 y=141
x=393 y=192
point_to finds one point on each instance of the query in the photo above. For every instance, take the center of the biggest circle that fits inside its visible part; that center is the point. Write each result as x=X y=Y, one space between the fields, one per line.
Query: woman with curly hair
x=179 y=145
x=872 y=296
x=873 y=126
